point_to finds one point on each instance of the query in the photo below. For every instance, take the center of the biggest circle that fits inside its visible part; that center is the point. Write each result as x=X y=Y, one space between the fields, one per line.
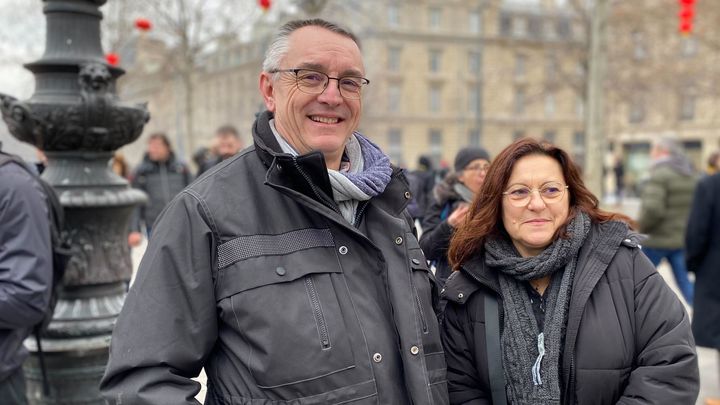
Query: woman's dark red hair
x=485 y=216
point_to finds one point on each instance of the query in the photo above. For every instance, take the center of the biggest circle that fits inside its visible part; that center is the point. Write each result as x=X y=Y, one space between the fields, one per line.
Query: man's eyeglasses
x=478 y=167
x=519 y=196
x=314 y=82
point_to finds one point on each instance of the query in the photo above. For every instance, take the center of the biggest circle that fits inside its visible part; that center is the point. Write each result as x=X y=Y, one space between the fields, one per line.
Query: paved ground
x=708 y=358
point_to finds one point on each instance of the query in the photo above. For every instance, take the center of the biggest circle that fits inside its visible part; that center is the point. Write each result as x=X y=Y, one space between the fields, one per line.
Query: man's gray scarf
x=368 y=174
x=531 y=357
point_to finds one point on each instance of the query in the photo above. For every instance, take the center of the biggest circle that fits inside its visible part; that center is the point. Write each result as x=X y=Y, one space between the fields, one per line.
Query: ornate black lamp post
x=76 y=117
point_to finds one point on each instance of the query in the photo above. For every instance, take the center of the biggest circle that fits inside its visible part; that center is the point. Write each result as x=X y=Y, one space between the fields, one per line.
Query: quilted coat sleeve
x=168 y=325
x=666 y=365
x=464 y=384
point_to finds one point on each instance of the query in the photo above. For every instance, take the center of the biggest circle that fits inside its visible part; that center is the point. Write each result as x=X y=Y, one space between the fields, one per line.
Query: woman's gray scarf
x=531 y=357
x=367 y=174
x=465 y=193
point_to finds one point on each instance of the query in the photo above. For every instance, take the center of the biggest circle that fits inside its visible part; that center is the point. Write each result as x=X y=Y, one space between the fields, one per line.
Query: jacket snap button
x=407 y=195
x=414 y=350
x=416 y=261
x=343 y=250
x=461 y=296
x=280 y=271
x=398 y=241
x=279 y=167
x=377 y=357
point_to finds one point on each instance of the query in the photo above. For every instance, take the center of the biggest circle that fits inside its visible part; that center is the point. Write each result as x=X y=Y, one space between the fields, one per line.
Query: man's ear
x=267 y=89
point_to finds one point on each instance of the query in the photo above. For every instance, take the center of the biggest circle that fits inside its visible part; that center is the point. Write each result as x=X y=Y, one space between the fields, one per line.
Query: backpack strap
x=494 y=352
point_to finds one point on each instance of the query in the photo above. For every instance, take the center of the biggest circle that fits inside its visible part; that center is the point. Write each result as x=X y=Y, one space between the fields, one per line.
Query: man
x=290 y=272
x=25 y=272
x=702 y=247
x=422 y=182
x=665 y=205
x=161 y=176
x=227 y=143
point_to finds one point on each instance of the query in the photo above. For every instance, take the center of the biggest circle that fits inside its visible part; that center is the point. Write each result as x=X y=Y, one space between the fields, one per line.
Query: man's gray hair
x=670 y=144
x=279 y=46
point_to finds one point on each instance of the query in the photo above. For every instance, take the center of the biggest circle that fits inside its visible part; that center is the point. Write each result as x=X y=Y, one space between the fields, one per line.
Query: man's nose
x=331 y=94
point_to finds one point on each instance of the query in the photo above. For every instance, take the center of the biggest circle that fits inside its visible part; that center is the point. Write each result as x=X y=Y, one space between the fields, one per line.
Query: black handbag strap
x=494 y=354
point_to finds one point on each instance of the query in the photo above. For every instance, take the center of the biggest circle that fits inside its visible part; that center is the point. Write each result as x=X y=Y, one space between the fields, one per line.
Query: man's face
x=227 y=145
x=157 y=151
x=323 y=121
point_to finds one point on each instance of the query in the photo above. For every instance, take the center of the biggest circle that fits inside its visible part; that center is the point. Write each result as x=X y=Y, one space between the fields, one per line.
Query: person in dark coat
x=422 y=183
x=702 y=256
x=576 y=314
x=452 y=200
x=25 y=272
x=161 y=176
x=227 y=143
x=290 y=272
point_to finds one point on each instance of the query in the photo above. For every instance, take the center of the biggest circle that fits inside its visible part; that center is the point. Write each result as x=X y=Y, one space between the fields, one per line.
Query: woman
x=584 y=318
x=452 y=201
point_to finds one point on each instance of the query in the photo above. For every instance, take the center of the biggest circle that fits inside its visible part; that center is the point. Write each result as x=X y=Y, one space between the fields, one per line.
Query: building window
x=474 y=22
x=394 y=97
x=435 y=17
x=436 y=147
x=639 y=48
x=393 y=15
x=506 y=24
x=688 y=47
x=551 y=68
x=519 y=29
x=563 y=28
x=549 y=105
x=520 y=62
x=519 y=103
x=434 y=58
x=474 y=138
x=434 y=99
x=394 y=58
x=550 y=136
x=579 y=148
x=518 y=134
x=474 y=62
x=474 y=101
x=636 y=112
x=687 y=107
x=534 y=28
x=395 y=149
x=580 y=107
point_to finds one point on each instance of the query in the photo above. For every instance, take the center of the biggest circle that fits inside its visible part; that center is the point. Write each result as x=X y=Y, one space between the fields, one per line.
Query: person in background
x=553 y=302
x=25 y=272
x=161 y=176
x=422 y=182
x=713 y=163
x=227 y=143
x=664 y=208
x=290 y=272
x=119 y=165
x=453 y=197
x=702 y=256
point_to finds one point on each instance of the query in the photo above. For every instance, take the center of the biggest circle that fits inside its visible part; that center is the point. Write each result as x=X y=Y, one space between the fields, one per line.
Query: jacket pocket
x=287 y=311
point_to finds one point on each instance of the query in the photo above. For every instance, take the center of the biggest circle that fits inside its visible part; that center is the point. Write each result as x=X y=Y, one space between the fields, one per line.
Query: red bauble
x=264 y=4
x=112 y=58
x=143 y=24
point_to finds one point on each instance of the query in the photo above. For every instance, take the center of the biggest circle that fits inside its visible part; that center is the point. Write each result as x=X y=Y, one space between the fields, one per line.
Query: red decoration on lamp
x=264 y=4
x=686 y=15
x=143 y=24
x=112 y=59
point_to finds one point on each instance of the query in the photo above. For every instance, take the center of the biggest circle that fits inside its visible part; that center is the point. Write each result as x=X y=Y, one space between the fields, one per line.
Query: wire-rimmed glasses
x=520 y=196
x=314 y=82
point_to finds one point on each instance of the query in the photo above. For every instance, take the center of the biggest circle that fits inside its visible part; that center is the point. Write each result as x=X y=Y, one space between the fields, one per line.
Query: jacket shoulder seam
x=206 y=210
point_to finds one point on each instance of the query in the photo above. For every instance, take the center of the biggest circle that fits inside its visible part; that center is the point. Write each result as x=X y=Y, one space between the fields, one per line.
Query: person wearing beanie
x=452 y=200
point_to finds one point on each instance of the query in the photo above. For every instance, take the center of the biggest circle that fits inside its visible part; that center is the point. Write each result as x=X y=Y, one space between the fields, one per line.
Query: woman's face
x=532 y=221
x=473 y=175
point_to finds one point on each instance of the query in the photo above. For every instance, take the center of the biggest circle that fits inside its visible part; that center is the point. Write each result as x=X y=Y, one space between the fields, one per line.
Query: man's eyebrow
x=321 y=68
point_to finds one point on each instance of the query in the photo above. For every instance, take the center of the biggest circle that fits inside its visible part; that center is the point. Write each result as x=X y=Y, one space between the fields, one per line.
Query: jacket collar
x=293 y=173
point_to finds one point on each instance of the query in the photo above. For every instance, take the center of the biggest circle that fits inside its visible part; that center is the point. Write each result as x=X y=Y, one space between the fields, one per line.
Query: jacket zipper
x=312 y=185
x=423 y=321
x=317 y=311
x=360 y=211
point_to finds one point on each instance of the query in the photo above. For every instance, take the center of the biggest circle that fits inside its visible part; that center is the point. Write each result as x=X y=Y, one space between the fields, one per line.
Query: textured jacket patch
x=245 y=247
